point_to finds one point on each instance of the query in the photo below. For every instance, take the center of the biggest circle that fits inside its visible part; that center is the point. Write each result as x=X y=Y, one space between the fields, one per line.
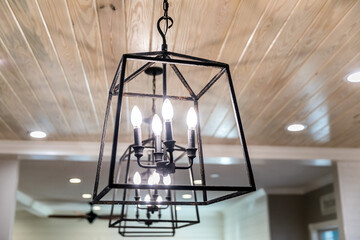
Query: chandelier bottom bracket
x=165 y=168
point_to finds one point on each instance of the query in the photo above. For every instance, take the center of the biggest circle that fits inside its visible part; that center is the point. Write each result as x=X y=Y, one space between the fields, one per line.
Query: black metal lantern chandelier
x=179 y=156
x=150 y=220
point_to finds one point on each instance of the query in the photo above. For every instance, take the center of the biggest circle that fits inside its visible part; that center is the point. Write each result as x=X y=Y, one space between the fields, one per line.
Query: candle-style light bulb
x=156 y=125
x=137 y=181
x=157 y=128
x=151 y=180
x=147 y=198
x=159 y=199
x=167 y=110
x=167 y=180
x=168 y=114
x=191 y=121
x=156 y=178
x=136 y=117
x=191 y=118
x=136 y=120
x=137 y=178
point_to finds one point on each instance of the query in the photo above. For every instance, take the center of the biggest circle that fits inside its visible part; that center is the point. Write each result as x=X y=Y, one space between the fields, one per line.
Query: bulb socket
x=138 y=151
x=191 y=152
x=170 y=145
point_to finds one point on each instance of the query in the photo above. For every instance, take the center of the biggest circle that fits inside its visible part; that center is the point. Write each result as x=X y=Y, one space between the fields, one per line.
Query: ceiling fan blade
x=67 y=216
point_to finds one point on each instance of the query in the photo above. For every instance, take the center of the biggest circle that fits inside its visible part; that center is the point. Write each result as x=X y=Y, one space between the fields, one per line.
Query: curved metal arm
x=144 y=166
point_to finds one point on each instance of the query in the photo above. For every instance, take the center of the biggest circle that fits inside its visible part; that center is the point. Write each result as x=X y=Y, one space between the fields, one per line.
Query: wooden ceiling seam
x=339 y=103
x=277 y=69
x=21 y=106
x=223 y=90
x=289 y=61
x=337 y=77
x=273 y=99
x=13 y=62
x=329 y=96
x=7 y=115
x=305 y=60
x=14 y=135
x=152 y=24
x=86 y=28
x=234 y=128
x=38 y=65
x=228 y=32
x=251 y=37
x=37 y=35
x=103 y=58
x=349 y=131
x=82 y=67
x=61 y=66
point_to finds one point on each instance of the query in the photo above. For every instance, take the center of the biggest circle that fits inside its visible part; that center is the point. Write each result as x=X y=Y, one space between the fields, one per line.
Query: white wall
x=347 y=189
x=29 y=227
x=8 y=186
x=248 y=218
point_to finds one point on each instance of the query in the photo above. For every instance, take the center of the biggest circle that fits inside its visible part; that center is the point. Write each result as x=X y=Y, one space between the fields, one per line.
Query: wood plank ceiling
x=288 y=60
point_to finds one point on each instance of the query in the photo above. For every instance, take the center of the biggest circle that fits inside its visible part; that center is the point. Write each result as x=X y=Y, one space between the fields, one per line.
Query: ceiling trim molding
x=88 y=151
x=303 y=189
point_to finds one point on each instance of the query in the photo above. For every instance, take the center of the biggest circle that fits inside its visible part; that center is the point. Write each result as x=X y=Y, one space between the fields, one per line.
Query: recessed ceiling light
x=86 y=195
x=197 y=182
x=296 y=127
x=353 y=77
x=37 y=134
x=96 y=208
x=186 y=196
x=75 y=180
x=214 y=175
x=178 y=208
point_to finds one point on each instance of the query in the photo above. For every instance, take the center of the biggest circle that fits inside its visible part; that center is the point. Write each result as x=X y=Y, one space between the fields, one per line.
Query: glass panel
x=330 y=234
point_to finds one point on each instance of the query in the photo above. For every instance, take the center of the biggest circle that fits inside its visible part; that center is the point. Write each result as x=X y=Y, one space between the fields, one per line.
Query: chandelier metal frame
x=167 y=58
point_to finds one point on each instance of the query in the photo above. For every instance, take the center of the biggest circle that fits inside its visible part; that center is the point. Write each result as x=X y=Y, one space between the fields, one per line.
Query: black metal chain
x=168 y=24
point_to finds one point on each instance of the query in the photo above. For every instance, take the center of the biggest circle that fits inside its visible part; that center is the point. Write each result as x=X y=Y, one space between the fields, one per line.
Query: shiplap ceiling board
x=288 y=60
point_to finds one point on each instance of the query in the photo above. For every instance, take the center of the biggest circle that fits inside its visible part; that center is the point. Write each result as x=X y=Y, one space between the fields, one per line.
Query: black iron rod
x=116 y=76
x=189 y=203
x=131 y=94
x=210 y=83
x=139 y=71
x=182 y=187
x=99 y=196
x=117 y=122
x=240 y=129
x=155 y=221
x=183 y=80
x=194 y=58
x=102 y=144
x=201 y=155
x=191 y=173
x=176 y=61
x=126 y=180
